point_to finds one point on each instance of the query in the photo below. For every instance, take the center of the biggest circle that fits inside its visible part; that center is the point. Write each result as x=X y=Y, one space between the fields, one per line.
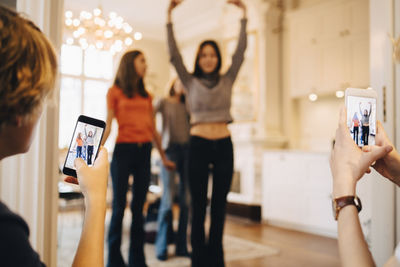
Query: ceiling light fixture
x=93 y=29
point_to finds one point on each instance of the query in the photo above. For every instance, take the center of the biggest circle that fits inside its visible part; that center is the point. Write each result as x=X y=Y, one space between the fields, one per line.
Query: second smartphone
x=361 y=115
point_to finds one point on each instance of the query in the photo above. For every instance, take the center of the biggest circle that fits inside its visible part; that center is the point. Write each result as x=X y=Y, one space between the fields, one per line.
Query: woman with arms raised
x=209 y=99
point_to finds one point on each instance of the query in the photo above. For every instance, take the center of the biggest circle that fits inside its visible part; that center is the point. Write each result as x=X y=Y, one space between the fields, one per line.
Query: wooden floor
x=296 y=248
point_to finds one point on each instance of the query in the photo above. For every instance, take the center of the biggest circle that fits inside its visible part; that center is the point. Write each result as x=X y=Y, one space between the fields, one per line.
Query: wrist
x=341 y=189
x=95 y=200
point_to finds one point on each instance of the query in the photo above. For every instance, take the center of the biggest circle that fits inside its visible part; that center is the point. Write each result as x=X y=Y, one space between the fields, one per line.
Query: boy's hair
x=28 y=66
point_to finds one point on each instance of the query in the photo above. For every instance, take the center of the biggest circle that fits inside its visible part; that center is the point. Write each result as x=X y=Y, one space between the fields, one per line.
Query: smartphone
x=85 y=143
x=361 y=115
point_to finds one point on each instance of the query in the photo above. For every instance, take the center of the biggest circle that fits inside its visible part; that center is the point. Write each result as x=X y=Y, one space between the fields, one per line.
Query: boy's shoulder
x=10 y=220
x=15 y=248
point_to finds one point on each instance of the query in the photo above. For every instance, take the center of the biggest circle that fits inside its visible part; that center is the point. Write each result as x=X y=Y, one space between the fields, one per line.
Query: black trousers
x=365 y=135
x=128 y=159
x=202 y=154
x=89 y=154
x=355 y=134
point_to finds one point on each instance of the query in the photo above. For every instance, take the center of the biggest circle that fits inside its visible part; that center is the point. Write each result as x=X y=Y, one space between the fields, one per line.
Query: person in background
x=28 y=70
x=175 y=137
x=208 y=93
x=356 y=125
x=348 y=165
x=129 y=102
x=79 y=145
x=365 y=123
x=90 y=144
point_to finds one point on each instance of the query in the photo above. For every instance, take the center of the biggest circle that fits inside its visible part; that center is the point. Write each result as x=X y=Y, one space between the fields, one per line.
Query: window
x=86 y=76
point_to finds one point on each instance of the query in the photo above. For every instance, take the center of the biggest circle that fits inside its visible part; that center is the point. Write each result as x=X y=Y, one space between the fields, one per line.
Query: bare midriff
x=212 y=130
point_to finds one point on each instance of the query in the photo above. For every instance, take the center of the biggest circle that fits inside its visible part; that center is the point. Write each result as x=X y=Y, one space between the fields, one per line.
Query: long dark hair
x=172 y=92
x=198 y=72
x=127 y=78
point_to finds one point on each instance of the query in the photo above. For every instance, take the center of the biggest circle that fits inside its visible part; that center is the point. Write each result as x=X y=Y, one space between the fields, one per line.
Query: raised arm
x=370 y=109
x=238 y=56
x=175 y=56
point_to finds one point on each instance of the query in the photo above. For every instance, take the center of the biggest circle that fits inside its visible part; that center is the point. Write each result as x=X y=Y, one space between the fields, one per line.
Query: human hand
x=238 y=3
x=169 y=165
x=388 y=166
x=348 y=162
x=92 y=180
x=173 y=4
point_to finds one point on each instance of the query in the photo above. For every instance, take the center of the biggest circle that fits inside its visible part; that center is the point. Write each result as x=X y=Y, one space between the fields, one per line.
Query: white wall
x=317 y=123
x=309 y=126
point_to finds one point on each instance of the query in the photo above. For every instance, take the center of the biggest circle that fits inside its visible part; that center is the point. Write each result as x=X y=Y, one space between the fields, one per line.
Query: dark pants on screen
x=89 y=154
x=365 y=135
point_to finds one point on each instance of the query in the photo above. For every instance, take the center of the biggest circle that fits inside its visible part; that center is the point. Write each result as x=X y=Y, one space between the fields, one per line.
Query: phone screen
x=361 y=119
x=85 y=144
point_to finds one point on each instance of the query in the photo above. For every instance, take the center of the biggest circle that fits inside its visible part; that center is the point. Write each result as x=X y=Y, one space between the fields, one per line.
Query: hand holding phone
x=85 y=143
x=361 y=115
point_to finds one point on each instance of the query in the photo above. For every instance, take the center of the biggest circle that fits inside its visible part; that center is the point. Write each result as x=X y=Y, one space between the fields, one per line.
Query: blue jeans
x=132 y=158
x=179 y=154
x=79 y=152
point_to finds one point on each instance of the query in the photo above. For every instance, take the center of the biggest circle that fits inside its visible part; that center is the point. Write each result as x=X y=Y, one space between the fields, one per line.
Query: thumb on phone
x=79 y=163
x=102 y=157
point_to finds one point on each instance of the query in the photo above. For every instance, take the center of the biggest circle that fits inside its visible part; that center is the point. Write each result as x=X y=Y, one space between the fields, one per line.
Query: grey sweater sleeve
x=176 y=58
x=238 y=56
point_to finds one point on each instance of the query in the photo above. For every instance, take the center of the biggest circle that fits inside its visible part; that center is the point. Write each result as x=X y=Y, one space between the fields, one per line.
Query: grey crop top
x=208 y=104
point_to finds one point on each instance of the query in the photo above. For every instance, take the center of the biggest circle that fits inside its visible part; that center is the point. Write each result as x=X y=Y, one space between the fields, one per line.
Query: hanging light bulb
x=99 y=45
x=68 y=14
x=70 y=41
x=112 y=15
x=97 y=12
x=128 y=41
x=108 y=34
x=138 y=36
x=76 y=22
x=68 y=22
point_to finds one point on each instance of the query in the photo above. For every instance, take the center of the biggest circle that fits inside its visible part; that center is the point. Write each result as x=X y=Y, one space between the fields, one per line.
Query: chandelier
x=94 y=30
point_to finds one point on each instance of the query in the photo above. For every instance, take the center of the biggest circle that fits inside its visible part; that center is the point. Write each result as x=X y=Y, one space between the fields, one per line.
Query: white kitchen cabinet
x=329 y=48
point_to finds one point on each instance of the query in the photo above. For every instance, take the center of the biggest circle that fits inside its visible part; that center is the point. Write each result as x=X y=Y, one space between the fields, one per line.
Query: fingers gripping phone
x=85 y=143
x=361 y=115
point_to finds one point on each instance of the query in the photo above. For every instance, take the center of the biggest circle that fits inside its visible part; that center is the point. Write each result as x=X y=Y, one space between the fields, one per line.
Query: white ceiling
x=147 y=16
